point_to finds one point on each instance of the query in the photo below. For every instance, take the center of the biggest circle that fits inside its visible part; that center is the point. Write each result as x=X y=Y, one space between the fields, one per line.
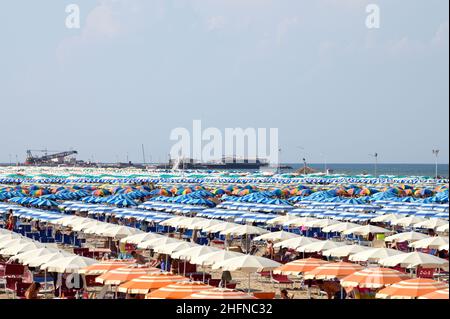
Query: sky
x=137 y=69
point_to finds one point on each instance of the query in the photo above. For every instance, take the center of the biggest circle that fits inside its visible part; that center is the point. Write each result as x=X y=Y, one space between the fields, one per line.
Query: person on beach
x=33 y=291
x=138 y=257
x=285 y=295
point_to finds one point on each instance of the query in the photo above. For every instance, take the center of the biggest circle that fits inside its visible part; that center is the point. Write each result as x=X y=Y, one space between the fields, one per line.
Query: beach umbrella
x=432 y=223
x=277 y=236
x=339 y=227
x=220 y=227
x=204 y=224
x=82 y=225
x=413 y=260
x=373 y=278
x=140 y=237
x=17 y=248
x=406 y=236
x=43 y=259
x=14 y=241
x=319 y=246
x=299 y=266
x=174 y=222
x=443 y=228
x=120 y=231
x=374 y=254
x=332 y=271
x=214 y=257
x=367 y=229
x=70 y=264
x=386 y=218
x=344 y=251
x=194 y=252
x=23 y=257
x=300 y=221
x=119 y=275
x=280 y=220
x=408 y=221
x=220 y=293
x=321 y=223
x=170 y=248
x=99 y=228
x=148 y=244
x=178 y=290
x=438 y=243
x=105 y=266
x=247 y=263
x=144 y=284
x=438 y=294
x=410 y=289
x=244 y=230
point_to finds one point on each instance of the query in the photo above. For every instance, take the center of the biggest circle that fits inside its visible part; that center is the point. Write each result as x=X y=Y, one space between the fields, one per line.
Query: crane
x=47 y=158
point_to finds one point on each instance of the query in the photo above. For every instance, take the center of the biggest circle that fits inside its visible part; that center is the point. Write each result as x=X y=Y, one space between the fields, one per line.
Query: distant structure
x=50 y=159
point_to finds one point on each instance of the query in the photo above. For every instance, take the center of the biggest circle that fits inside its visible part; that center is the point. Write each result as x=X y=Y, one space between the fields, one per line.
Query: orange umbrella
x=105 y=266
x=411 y=288
x=120 y=275
x=298 y=266
x=373 y=278
x=143 y=284
x=220 y=293
x=438 y=294
x=179 y=290
x=333 y=270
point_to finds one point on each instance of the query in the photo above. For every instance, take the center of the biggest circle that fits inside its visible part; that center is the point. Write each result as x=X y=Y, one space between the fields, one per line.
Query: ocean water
x=382 y=169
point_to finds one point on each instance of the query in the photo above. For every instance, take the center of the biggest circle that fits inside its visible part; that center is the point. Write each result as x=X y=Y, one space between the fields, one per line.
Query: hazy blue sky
x=137 y=69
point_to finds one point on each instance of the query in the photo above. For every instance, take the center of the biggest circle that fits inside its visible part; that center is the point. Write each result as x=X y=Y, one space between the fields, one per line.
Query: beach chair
x=264 y=295
x=10 y=286
x=264 y=276
x=281 y=280
x=21 y=288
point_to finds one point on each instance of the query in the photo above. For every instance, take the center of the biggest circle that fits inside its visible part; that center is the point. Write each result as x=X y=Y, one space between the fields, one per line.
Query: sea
x=382 y=169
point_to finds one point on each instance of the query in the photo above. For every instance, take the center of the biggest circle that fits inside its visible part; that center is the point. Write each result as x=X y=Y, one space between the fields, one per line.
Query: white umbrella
x=374 y=254
x=8 y=236
x=99 y=228
x=406 y=236
x=215 y=257
x=367 y=229
x=14 y=241
x=189 y=223
x=204 y=224
x=139 y=238
x=194 y=252
x=244 y=230
x=431 y=242
x=413 y=260
x=319 y=246
x=220 y=227
x=69 y=264
x=40 y=260
x=408 y=221
x=386 y=218
x=340 y=227
x=432 y=223
x=280 y=220
x=277 y=236
x=248 y=264
x=120 y=231
x=85 y=225
x=296 y=242
x=298 y=222
x=443 y=228
x=344 y=251
x=20 y=248
x=173 y=222
x=321 y=223
x=23 y=257
x=156 y=242
x=66 y=220
x=173 y=247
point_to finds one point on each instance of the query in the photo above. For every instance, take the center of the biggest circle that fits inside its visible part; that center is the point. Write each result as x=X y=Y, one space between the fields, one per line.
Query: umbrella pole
x=249 y=281
x=184 y=269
